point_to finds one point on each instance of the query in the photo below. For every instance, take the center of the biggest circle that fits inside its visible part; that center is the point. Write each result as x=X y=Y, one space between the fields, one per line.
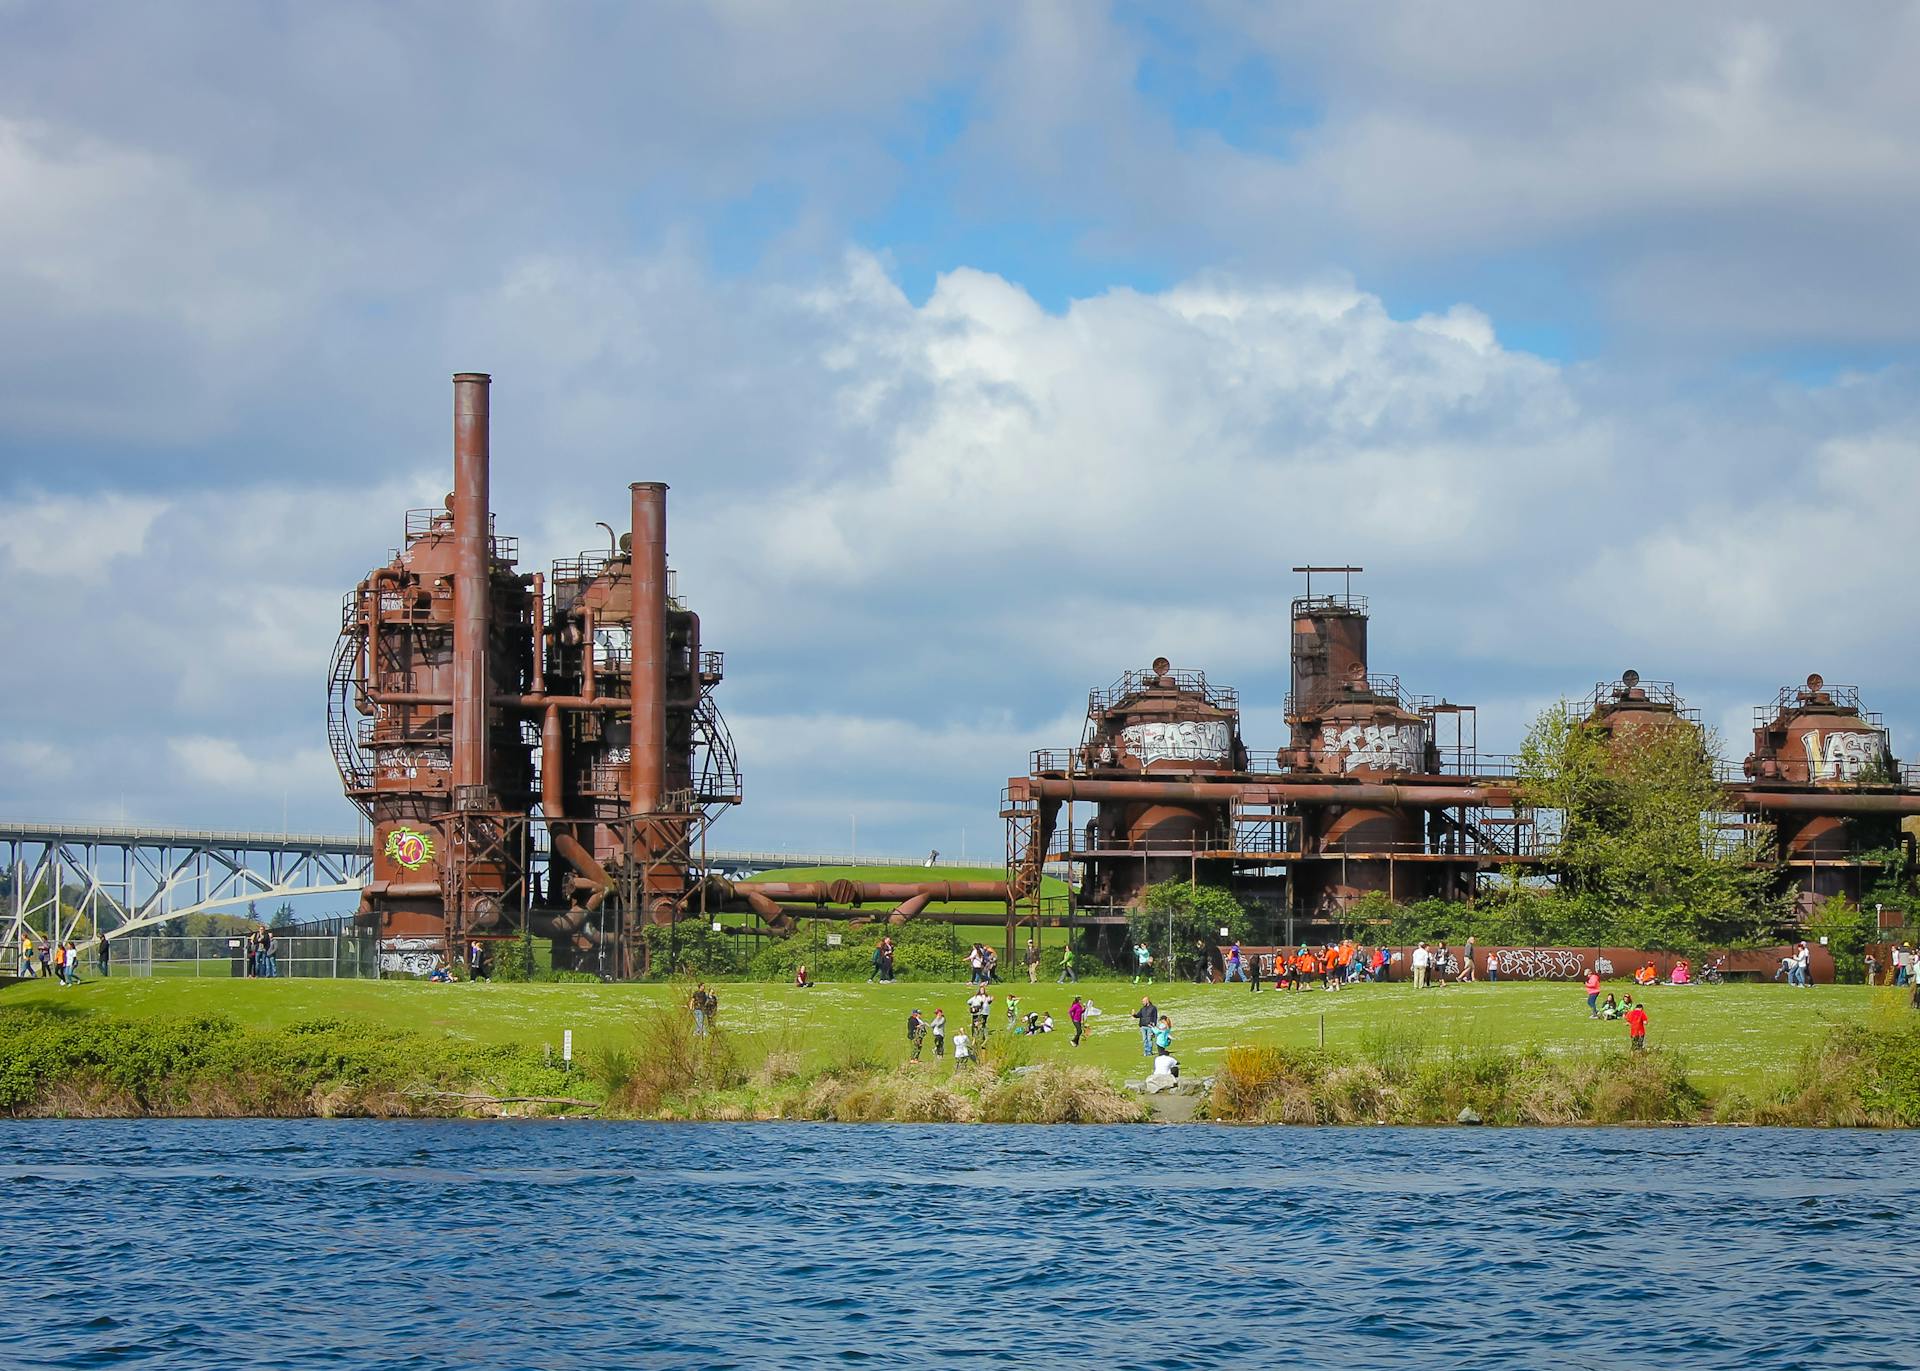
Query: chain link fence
x=323 y=956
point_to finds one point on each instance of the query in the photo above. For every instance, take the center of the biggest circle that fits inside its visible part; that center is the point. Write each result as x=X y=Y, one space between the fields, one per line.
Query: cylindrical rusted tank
x=1329 y=642
x=1817 y=736
x=1632 y=708
x=1361 y=732
x=1158 y=722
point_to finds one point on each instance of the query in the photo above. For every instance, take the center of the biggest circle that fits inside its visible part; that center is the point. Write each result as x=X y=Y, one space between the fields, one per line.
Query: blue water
x=301 y=1244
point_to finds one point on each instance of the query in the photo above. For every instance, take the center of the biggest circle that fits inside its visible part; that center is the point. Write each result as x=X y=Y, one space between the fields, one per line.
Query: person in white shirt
x=962 y=1049
x=1166 y=1065
x=1422 y=959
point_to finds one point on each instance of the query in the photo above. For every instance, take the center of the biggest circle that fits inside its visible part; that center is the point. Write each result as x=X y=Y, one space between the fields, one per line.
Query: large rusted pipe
x=539 y=633
x=1267 y=792
x=551 y=807
x=859 y=892
x=472 y=589
x=647 y=679
x=1816 y=802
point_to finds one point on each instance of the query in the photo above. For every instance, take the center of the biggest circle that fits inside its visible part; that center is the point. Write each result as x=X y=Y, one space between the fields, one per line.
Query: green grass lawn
x=1735 y=1034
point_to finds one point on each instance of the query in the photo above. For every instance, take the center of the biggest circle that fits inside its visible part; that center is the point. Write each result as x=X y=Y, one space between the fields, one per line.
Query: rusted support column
x=648 y=682
x=472 y=589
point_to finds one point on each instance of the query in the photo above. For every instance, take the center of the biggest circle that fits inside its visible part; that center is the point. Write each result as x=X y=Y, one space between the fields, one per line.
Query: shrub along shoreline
x=55 y=1065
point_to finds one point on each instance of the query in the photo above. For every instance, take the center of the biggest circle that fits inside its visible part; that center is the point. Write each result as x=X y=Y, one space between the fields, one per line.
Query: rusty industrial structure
x=1379 y=790
x=543 y=753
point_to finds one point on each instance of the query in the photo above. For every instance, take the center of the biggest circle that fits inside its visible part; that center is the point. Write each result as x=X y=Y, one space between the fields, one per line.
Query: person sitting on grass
x=1610 y=1007
x=1682 y=973
x=1646 y=975
x=1046 y=1023
x=1166 y=1064
x=1032 y=1025
x=801 y=980
x=441 y=973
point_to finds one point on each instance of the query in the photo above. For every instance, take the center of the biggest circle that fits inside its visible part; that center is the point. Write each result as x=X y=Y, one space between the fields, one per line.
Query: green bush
x=688 y=948
x=921 y=952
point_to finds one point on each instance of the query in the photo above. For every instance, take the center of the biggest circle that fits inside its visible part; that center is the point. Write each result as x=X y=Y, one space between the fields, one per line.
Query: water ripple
x=388 y=1245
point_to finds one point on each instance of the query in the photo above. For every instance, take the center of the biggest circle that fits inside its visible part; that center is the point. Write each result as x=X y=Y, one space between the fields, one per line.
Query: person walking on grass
x=1066 y=966
x=106 y=957
x=1033 y=961
x=1637 y=1028
x=1013 y=1011
x=939 y=1028
x=916 y=1033
x=1466 y=961
x=698 y=1004
x=73 y=963
x=1236 y=966
x=46 y=959
x=1593 y=992
x=1078 y=1013
x=1148 y=1017
x=1142 y=963
x=977 y=1006
x=60 y=963
x=962 y=1050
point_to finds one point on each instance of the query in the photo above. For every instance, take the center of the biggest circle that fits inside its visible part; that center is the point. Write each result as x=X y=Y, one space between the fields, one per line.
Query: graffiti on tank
x=412 y=763
x=1204 y=740
x=1541 y=964
x=1843 y=756
x=1379 y=747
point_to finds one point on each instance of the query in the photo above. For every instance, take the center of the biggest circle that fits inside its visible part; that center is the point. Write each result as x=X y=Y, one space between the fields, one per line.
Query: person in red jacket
x=1637 y=1027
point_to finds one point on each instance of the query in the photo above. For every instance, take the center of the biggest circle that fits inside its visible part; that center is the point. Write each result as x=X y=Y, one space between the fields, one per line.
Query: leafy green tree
x=1847 y=930
x=283 y=916
x=1197 y=913
x=1639 y=841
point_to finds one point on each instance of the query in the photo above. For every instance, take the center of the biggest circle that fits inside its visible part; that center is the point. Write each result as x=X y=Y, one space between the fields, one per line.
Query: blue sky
x=990 y=351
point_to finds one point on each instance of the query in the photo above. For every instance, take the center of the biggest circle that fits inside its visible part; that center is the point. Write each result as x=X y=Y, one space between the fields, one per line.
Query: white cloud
x=75 y=538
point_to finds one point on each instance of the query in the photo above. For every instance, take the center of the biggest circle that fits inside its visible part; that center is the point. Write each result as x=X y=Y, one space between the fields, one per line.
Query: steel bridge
x=115 y=880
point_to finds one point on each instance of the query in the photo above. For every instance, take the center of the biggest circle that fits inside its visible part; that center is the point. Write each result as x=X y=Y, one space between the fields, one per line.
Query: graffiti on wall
x=1379 y=747
x=1842 y=756
x=1542 y=964
x=409 y=956
x=1201 y=740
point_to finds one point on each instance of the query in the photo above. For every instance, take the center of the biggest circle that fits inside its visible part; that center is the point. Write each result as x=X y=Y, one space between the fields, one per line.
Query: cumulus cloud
x=75 y=539
x=923 y=522
x=991 y=507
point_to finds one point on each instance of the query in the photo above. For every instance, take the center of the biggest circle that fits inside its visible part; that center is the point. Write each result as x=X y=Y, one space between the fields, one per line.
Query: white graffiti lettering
x=1209 y=740
x=409 y=956
x=1379 y=747
x=411 y=762
x=1541 y=964
x=1841 y=756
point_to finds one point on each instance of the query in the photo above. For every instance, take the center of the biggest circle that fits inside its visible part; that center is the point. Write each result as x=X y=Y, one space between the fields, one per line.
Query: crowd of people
x=52 y=959
x=967 y=1043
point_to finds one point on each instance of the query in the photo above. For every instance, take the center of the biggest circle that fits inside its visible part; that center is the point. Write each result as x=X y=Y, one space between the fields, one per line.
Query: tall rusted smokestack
x=472 y=578
x=649 y=681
